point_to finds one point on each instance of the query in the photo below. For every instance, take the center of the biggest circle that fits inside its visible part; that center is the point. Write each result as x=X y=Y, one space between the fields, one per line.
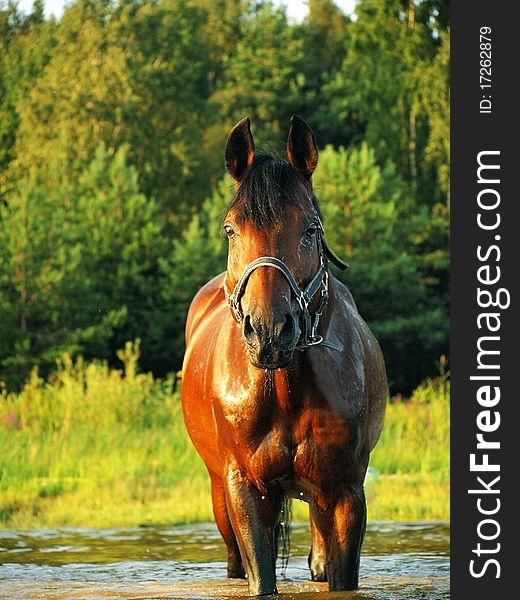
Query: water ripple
x=400 y=561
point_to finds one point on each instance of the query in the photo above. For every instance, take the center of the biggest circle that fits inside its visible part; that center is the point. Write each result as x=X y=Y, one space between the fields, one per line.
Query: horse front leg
x=253 y=515
x=317 y=554
x=342 y=526
x=218 y=497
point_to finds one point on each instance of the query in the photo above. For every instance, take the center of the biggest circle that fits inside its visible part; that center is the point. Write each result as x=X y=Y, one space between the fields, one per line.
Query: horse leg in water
x=235 y=568
x=317 y=553
x=342 y=526
x=254 y=516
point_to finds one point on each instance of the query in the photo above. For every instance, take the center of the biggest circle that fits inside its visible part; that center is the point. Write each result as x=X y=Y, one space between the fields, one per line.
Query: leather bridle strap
x=333 y=257
x=302 y=297
x=319 y=282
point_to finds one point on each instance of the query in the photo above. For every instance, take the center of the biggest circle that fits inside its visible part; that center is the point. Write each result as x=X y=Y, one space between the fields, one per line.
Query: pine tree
x=381 y=80
x=196 y=257
x=82 y=270
x=395 y=275
x=130 y=74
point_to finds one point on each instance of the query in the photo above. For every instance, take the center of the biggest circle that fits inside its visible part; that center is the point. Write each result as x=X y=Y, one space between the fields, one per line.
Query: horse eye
x=312 y=229
x=230 y=232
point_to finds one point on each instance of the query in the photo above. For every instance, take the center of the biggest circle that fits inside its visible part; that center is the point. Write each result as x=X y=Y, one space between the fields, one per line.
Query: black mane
x=267 y=189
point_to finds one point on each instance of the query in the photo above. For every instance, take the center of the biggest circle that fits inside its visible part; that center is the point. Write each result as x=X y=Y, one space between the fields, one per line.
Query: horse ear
x=301 y=147
x=240 y=150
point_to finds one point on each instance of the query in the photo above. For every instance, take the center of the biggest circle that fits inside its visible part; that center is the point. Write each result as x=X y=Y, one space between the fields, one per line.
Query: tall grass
x=101 y=447
x=416 y=435
x=411 y=462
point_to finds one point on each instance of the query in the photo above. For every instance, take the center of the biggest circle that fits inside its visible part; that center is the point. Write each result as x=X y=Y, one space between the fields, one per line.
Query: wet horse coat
x=271 y=412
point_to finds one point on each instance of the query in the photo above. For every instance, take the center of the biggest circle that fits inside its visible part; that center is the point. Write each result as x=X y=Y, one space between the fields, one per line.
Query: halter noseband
x=309 y=323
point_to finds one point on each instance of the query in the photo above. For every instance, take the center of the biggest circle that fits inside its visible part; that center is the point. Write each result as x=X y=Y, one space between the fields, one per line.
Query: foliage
x=130 y=74
x=109 y=448
x=326 y=37
x=26 y=44
x=93 y=441
x=395 y=275
x=393 y=42
x=261 y=78
x=415 y=429
x=196 y=257
x=435 y=101
x=113 y=121
x=80 y=266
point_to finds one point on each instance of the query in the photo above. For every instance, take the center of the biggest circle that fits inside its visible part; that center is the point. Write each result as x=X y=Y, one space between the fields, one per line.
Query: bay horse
x=284 y=386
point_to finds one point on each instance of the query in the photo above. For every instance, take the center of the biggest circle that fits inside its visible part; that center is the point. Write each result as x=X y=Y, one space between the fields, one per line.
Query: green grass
x=412 y=459
x=105 y=448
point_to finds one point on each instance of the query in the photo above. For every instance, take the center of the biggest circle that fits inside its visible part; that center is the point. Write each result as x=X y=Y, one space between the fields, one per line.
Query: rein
x=320 y=282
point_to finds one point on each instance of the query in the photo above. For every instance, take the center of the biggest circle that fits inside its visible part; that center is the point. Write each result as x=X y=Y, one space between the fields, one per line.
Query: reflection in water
x=401 y=561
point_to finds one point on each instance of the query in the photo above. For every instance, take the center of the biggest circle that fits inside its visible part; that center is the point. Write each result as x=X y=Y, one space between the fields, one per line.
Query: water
x=401 y=561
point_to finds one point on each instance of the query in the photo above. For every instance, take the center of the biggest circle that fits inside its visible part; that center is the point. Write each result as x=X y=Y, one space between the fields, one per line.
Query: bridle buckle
x=303 y=302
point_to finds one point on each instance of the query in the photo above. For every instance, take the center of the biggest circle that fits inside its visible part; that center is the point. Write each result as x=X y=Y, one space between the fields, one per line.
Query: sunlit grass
x=98 y=447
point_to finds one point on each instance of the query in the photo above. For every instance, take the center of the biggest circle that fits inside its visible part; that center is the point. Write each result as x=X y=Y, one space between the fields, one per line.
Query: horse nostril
x=248 y=328
x=289 y=329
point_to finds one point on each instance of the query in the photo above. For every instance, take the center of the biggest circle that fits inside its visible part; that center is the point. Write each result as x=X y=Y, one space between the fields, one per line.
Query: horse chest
x=306 y=454
x=326 y=450
x=259 y=444
x=277 y=432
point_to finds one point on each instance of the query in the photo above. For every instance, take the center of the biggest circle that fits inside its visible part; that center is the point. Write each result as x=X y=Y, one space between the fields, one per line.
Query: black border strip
x=473 y=132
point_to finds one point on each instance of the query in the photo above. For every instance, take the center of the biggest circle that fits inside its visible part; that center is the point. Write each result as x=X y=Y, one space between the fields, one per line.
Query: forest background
x=113 y=121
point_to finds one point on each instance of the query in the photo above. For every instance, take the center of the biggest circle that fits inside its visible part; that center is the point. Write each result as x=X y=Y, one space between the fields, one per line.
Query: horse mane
x=267 y=189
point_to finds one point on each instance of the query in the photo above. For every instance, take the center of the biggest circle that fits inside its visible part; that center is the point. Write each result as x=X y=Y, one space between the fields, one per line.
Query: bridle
x=320 y=282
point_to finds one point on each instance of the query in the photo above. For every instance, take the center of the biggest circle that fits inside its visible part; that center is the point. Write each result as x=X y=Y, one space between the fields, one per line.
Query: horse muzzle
x=271 y=345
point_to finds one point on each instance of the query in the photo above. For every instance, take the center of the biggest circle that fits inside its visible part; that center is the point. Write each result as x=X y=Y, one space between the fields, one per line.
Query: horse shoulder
x=357 y=326
x=371 y=362
x=345 y=294
x=205 y=317
x=209 y=298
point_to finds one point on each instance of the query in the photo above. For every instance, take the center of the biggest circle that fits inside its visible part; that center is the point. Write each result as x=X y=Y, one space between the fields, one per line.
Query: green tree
x=130 y=74
x=325 y=37
x=167 y=58
x=262 y=79
x=392 y=42
x=435 y=102
x=29 y=227
x=81 y=268
x=197 y=256
x=397 y=256
x=222 y=30
x=26 y=42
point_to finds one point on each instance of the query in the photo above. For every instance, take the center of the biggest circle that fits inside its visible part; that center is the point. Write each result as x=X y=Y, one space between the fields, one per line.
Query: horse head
x=277 y=279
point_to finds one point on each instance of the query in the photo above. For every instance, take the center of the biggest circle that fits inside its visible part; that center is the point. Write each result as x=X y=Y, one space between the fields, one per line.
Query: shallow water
x=401 y=561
